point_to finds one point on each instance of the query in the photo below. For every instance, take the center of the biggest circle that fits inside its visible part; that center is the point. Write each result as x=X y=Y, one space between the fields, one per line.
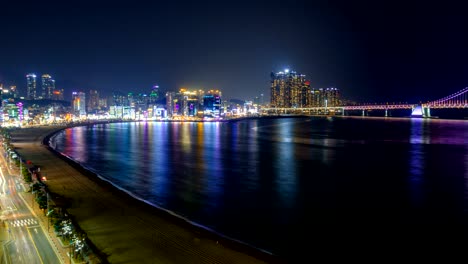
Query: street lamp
x=48 y=219
x=33 y=192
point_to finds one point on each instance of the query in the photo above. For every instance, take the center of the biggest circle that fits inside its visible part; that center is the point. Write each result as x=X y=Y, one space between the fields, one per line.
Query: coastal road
x=27 y=241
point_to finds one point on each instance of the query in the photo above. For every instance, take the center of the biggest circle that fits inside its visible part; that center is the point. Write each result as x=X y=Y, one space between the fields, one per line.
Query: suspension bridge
x=455 y=100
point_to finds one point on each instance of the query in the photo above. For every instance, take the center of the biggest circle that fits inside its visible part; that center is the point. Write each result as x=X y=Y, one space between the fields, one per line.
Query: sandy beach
x=125 y=229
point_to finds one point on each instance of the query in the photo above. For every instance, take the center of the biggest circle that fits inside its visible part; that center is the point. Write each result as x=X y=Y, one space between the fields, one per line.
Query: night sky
x=375 y=51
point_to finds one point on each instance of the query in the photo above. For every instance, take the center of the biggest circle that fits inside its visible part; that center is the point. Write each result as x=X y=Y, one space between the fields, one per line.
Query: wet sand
x=124 y=229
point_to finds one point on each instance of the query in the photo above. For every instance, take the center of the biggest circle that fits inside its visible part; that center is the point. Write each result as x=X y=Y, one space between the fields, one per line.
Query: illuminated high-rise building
x=155 y=95
x=5 y=95
x=79 y=103
x=103 y=102
x=185 y=103
x=31 y=86
x=14 y=91
x=324 y=97
x=315 y=97
x=48 y=86
x=93 y=101
x=201 y=94
x=332 y=95
x=289 y=89
x=119 y=99
x=170 y=96
x=212 y=103
x=8 y=94
x=191 y=106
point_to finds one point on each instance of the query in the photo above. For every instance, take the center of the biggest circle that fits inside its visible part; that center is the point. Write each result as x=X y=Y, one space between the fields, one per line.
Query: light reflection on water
x=418 y=137
x=285 y=166
x=270 y=182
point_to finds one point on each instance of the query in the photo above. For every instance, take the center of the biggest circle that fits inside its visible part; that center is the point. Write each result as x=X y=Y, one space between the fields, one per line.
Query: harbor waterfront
x=285 y=184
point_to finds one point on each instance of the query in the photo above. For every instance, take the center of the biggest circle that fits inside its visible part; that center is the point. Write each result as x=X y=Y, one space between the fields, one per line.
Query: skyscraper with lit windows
x=14 y=91
x=212 y=104
x=31 y=86
x=332 y=96
x=93 y=101
x=79 y=103
x=289 y=89
x=324 y=97
x=184 y=103
x=48 y=86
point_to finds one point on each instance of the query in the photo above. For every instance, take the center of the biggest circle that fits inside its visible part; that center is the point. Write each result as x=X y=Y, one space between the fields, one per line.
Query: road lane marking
x=25 y=222
x=34 y=244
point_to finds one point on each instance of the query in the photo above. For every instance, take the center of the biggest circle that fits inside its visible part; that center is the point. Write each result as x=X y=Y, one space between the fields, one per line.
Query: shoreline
x=164 y=212
x=217 y=246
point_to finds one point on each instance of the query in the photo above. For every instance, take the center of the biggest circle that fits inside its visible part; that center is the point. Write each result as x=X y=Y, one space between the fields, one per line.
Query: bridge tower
x=421 y=111
x=426 y=111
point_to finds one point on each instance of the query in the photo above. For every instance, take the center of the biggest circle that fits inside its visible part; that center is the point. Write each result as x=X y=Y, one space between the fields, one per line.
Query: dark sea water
x=294 y=186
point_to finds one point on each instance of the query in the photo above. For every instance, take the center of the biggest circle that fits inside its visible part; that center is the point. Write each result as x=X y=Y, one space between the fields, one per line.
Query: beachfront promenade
x=126 y=230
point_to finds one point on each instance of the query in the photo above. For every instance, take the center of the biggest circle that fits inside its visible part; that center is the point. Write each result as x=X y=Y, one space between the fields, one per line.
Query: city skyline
x=42 y=86
x=373 y=52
